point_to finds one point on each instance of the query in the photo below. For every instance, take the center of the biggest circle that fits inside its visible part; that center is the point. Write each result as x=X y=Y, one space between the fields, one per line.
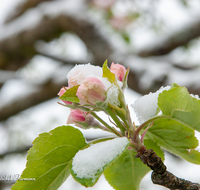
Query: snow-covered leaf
x=147 y=106
x=89 y=164
x=126 y=172
x=49 y=159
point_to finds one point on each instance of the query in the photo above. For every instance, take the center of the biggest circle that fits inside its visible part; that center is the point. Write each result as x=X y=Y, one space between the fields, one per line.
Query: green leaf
x=174 y=85
x=49 y=159
x=107 y=73
x=180 y=106
x=89 y=164
x=150 y=144
x=176 y=138
x=70 y=94
x=126 y=172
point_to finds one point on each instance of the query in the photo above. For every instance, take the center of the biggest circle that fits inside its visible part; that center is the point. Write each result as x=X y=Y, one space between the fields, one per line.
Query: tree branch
x=22 y=8
x=160 y=175
x=56 y=58
x=17 y=49
x=47 y=91
x=180 y=38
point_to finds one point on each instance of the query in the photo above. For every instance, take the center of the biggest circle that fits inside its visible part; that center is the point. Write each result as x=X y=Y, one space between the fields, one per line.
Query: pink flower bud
x=76 y=116
x=91 y=91
x=118 y=70
x=61 y=92
x=83 y=119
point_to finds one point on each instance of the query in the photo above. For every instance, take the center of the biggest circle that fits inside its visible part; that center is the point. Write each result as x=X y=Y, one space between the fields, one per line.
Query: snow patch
x=146 y=106
x=88 y=162
x=112 y=95
x=195 y=96
x=85 y=70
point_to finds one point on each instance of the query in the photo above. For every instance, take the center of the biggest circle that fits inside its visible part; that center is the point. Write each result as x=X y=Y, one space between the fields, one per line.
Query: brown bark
x=23 y=7
x=47 y=91
x=160 y=175
x=17 y=50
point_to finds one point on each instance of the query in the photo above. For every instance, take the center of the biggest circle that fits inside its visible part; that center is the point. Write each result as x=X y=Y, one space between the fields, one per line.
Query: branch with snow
x=177 y=39
x=22 y=8
x=18 y=47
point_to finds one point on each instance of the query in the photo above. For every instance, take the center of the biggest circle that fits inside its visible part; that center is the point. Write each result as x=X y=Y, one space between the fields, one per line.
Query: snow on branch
x=169 y=43
x=17 y=44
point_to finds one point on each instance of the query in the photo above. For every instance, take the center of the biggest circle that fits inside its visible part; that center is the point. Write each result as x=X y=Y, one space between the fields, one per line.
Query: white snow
x=195 y=96
x=33 y=16
x=8 y=8
x=146 y=106
x=88 y=162
x=82 y=71
x=112 y=95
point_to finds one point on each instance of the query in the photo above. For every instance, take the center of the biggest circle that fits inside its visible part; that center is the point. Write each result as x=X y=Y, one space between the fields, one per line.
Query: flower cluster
x=93 y=88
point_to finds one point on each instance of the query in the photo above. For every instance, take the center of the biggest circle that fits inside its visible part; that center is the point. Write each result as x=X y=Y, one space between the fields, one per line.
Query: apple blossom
x=80 y=72
x=118 y=70
x=91 y=91
x=61 y=92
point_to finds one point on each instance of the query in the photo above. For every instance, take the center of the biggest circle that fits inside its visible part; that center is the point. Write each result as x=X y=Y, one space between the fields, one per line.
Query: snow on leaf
x=88 y=164
x=146 y=106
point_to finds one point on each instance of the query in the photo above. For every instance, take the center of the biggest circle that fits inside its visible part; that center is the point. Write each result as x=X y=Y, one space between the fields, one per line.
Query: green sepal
x=49 y=159
x=107 y=73
x=70 y=94
x=102 y=105
x=125 y=79
x=119 y=111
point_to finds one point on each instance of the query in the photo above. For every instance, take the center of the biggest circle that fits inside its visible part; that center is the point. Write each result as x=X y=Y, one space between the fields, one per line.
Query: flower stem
x=116 y=119
x=105 y=124
x=137 y=131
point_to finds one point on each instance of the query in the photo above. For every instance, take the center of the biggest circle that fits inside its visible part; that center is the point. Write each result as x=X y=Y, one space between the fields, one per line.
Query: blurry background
x=40 y=40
